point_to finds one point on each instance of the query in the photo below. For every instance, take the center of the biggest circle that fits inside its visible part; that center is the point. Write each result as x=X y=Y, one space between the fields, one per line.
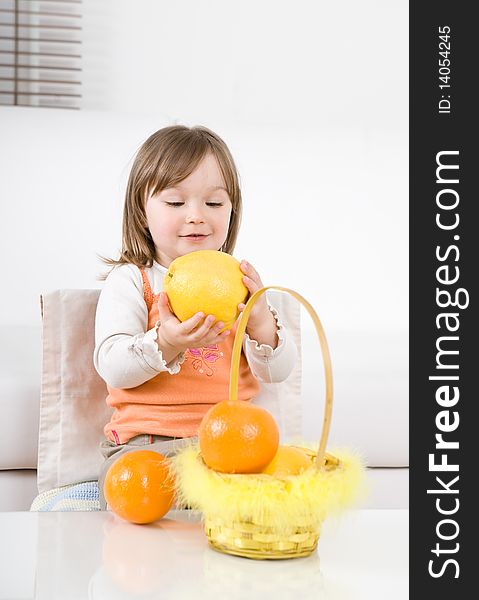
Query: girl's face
x=193 y=215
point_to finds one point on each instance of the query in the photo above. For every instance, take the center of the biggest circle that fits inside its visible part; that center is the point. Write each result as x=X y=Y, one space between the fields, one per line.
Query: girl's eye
x=175 y=203
x=214 y=203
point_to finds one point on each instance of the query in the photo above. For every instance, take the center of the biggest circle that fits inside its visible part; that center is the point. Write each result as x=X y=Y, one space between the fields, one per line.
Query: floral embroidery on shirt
x=202 y=358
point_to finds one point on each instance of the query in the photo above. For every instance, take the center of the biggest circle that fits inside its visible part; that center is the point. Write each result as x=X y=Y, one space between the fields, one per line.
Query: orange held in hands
x=206 y=281
x=139 y=486
x=288 y=461
x=238 y=437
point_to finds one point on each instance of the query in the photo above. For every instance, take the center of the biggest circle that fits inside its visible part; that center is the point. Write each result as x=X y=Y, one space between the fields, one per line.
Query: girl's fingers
x=218 y=338
x=212 y=335
x=251 y=272
x=162 y=301
x=164 y=312
x=192 y=323
x=209 y=325
x=251 y=284
x=197 y=340
x=197 y=330
x=218 y=327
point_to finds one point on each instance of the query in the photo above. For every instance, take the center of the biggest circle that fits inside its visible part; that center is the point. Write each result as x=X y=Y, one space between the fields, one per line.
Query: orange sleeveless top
x=174 y=405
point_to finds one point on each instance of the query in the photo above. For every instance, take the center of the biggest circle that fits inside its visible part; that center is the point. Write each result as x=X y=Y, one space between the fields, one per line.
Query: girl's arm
x=126 y=353
x=268 y=364
x=261 y=324
x=270 y=350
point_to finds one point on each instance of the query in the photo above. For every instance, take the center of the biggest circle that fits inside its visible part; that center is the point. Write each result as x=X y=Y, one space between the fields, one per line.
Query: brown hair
x=166 y=158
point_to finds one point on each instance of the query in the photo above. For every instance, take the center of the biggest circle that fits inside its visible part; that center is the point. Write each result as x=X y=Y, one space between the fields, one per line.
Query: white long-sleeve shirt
x=126 y=352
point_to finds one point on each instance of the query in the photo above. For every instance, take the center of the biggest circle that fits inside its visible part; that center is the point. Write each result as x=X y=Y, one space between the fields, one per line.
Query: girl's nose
x=195 y=216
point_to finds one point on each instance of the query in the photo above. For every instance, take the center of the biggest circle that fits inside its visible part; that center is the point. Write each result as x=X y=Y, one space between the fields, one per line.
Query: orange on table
x=288 y=460
x=238 y=437
x=139 y=486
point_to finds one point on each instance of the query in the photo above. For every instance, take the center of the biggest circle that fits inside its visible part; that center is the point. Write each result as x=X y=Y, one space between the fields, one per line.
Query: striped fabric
x=75 y=497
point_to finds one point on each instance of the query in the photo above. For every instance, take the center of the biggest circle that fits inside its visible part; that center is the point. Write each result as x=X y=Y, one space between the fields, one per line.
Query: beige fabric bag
x=73 y=411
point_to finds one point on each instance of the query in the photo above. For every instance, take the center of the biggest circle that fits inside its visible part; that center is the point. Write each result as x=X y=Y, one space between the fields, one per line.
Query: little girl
x=162 y=375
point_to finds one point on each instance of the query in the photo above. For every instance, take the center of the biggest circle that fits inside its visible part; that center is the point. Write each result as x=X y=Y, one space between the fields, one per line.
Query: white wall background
x=312 y=99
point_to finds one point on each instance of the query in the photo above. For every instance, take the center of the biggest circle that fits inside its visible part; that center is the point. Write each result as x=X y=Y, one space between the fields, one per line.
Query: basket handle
x=238 y=343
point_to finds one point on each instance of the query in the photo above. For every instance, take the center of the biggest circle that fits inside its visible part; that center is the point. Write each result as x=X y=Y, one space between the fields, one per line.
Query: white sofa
x=62 y=181
x=370 y=411
x=20 y=377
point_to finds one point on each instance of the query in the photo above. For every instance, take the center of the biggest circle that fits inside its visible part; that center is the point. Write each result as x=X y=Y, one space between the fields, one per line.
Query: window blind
x=40 y=53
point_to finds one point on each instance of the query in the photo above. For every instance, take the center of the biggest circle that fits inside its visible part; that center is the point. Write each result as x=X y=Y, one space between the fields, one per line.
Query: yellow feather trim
x=267 y=500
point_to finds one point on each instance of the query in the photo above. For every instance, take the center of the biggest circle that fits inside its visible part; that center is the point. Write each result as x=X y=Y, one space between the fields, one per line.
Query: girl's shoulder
x=156 y=274
x=124 y=275
x=130 y=274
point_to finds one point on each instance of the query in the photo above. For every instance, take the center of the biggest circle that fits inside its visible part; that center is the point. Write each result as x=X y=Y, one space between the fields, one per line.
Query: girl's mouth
x=195 y=236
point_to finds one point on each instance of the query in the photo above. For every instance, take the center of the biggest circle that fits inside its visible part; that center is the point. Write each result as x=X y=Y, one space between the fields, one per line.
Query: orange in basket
x=238 y=437
x=288 y=461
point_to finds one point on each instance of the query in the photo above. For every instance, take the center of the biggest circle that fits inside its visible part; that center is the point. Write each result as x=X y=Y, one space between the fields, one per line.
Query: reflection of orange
x=288 y=461
x=142 y=562
x=134 y=559
x=139 y=486
x=238 y=437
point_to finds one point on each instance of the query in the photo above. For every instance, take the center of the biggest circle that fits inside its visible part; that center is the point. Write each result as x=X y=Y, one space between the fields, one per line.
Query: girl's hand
x=175 y=337
x=261 y=324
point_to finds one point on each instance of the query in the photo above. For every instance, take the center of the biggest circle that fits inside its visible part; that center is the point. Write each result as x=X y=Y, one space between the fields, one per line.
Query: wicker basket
x=230 y=525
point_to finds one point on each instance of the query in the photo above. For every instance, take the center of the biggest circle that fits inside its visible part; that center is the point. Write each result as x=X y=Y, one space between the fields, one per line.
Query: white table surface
x=95 y=555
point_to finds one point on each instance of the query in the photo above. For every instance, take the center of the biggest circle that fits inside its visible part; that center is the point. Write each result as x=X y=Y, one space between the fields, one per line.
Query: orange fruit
x=205 y=281
x=139 y=486
x=288 y=461
x=238 y=437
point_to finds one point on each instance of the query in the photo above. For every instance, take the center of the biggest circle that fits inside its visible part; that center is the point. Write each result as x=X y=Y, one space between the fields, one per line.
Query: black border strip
x=443 y=236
